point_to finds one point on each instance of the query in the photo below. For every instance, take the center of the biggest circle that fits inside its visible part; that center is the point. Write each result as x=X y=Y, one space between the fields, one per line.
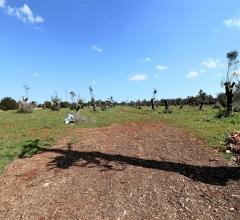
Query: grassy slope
x=48 y=126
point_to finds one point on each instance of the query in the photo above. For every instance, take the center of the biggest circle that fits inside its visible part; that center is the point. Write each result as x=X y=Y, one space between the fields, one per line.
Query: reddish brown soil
x=131 y=171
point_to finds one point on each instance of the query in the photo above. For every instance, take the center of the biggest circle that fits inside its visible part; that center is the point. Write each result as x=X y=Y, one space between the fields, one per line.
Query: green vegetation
x=17 y=130
x=8 y=103
x=204 y=124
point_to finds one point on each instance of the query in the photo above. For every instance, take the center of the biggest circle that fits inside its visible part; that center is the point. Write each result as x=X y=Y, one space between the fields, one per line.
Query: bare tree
x=24 y=106
x=25 y=97
x=72 y=94
x=166 y=104
x=139 y=104
x=55 y=102
x=230 y=83
x=153 y=98
x=92 y=98
x=73 y=104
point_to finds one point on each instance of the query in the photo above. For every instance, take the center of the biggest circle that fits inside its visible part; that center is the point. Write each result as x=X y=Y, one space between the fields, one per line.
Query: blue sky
x=123 y=48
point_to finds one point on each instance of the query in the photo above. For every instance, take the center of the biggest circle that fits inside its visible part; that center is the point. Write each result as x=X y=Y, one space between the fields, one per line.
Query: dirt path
x=131 y=171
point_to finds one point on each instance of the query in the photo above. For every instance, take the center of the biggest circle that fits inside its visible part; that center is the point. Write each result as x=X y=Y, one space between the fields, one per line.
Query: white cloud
x=192 y=75
x=26 y=10
x=145 y=59
x=138 y=77
x=95 y=48
x=36 y=74
x=24 y=13
x=232 y=22
x=2 y=3
x=161 y=67
x=212 y=63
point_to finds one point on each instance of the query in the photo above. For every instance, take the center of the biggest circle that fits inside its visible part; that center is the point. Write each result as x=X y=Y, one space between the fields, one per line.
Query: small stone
x=228 y=152
x=234 y=159
x=231 y=209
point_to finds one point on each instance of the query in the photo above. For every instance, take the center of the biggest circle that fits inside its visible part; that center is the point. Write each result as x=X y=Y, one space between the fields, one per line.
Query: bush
x=221 y=113
x=47 y=104
x=64 y=104
x=217 y=105
x=24 y=107
x=222 y=99
x=74 y=106
x=8 y=103
x=55 y=103
x=30 y=148
x=166 y=111
x=236 y=107
x=40 y=106
x=55 y=106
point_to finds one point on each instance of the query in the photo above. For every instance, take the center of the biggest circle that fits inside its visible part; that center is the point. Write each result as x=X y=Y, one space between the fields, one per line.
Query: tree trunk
x=229 y=93
x=166 y=104
x=94 y=105
x=78 y=108
x=152 y=103
x=139 y=105
x=201 y=106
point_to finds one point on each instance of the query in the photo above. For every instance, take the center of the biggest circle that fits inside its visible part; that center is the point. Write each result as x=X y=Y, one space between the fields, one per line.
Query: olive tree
x=153 y=98
x=24 y=106
x=230 y=82
x=92 y=98
x=201 y=98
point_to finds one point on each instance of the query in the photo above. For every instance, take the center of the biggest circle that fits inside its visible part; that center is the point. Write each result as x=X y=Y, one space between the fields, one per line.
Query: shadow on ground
x=206 y=174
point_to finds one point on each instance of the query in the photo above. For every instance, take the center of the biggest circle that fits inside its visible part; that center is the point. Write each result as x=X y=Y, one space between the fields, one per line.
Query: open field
x=48 y=126
x=118 y=110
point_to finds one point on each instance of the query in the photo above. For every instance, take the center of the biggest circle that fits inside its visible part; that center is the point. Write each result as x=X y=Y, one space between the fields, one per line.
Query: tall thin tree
x=153 y=98
x=230 y=83
x=92 y=98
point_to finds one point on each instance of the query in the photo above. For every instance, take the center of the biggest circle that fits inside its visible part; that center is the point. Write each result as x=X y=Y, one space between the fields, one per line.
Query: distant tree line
x=199 y=100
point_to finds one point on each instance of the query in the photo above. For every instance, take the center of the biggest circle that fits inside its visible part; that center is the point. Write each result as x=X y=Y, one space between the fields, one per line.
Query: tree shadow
x=206 y=174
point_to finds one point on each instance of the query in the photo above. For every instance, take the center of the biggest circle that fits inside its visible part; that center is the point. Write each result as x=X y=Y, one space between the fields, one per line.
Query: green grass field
x=48 y=126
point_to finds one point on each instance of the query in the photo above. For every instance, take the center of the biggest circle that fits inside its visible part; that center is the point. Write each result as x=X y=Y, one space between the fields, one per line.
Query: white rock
x=46 y=184
x=228 y=152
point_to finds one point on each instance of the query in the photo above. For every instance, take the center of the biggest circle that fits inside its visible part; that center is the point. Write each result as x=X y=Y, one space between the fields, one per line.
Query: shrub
x=166 y=111
x=30 y=148
x=236 y=107
x=74 y=106
x=40 y=106
x=24 y=107
x=221 y=113
x=222 y=99
x=55 y=103
x=217 y=105
x=64 y=104
x=55 y=106
x=8 y=103
x=47 y=104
